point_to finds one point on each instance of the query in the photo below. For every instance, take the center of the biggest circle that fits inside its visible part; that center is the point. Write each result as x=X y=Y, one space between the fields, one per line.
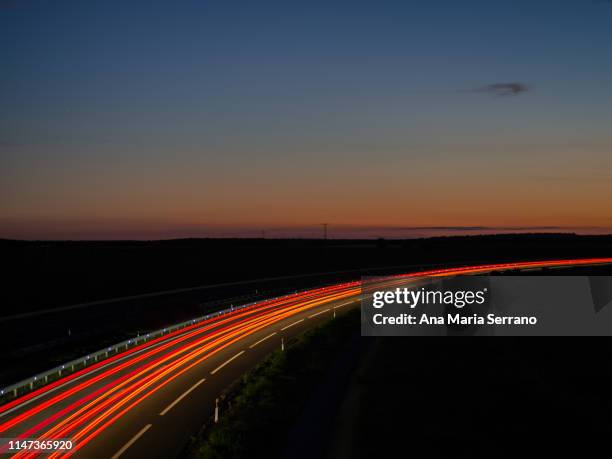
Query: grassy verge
x=261 y=407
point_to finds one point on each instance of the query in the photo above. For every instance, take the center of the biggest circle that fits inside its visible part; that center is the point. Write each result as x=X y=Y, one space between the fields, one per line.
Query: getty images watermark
x=412 y=298
x=487 y=305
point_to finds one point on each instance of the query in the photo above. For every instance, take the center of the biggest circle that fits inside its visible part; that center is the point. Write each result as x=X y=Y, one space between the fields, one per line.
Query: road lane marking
x=291 y=325
x=185 y=394
x=315 y=315
x=226 y=362
x=344 y=304
x=261 y=340
x=132 y=441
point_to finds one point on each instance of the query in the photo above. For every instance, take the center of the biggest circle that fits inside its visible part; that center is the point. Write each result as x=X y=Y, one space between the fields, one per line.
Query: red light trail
x=82 y=405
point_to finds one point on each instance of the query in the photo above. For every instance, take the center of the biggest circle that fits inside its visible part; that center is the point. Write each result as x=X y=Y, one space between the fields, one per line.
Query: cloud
x=481 y=228
x=504 y=89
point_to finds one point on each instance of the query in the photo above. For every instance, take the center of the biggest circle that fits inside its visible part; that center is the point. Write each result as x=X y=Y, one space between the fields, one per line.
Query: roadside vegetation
x=260 y=408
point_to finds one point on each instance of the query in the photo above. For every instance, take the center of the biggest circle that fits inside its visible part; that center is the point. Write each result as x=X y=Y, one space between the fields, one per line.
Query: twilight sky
x=147 y=119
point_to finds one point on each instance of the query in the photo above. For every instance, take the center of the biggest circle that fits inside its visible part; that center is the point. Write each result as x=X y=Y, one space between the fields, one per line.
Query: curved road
x=147 y=401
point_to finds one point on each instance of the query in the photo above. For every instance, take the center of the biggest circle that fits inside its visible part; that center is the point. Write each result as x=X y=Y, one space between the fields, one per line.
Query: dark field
x=47 y=275
x=507 y=397
x=42 y=275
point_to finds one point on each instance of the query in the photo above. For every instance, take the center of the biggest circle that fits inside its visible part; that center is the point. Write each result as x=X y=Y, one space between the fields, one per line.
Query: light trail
x=107 y=407
x=141 y=382
x=142 y=357
x=83 y=404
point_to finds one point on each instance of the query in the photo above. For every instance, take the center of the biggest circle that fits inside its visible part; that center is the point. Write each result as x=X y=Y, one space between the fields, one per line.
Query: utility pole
x=325 y=225
x=216 y=410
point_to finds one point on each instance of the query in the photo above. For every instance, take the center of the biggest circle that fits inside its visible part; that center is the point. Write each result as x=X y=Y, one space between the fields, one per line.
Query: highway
x=148 y=401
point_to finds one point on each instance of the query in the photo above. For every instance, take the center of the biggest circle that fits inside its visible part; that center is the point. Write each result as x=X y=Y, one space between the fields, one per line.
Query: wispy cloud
x=504 y=89
x=479 y=228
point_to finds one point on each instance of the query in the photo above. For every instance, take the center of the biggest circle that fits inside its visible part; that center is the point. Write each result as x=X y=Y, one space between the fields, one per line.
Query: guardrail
x=34 y=382
x=27 y=385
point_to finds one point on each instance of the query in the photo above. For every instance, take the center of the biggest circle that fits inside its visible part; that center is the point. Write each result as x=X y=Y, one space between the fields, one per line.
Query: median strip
x=226 y=362
x=169 y=407
x=266 y=401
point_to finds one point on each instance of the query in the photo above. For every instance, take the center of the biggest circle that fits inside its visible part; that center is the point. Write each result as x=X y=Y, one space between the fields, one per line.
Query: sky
x=147 y=119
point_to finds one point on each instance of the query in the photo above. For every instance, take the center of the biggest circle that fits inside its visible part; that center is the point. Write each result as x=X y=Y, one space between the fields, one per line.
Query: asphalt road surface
x=148 y=401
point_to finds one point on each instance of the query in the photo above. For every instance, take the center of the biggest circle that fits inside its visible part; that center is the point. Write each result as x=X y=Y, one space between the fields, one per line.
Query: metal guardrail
x=34 y=382
x=41 y=379
x=27 y=385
